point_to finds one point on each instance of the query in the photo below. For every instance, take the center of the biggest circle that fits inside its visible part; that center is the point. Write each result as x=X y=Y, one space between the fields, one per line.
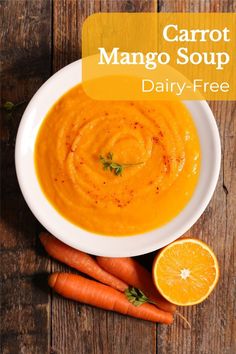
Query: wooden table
x=39 y=37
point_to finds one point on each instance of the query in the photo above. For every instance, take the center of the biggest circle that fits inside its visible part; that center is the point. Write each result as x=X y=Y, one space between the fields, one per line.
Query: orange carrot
x=80 y=261
x=133 y=273
x=96 y=294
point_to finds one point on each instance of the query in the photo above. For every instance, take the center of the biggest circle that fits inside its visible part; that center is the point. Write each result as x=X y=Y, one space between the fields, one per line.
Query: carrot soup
x=117 y=167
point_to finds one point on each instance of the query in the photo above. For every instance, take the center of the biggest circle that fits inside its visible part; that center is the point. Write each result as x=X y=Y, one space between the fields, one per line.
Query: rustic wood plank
x=197 y=6
x=25 y=65
x=69 y=16
x=213 y=325
x=78 y=328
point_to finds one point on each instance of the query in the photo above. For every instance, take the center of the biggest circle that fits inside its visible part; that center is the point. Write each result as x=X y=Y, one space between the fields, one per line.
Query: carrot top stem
x=137 y=297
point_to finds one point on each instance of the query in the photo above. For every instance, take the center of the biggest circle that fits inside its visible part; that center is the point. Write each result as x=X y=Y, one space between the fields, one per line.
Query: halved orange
x=185 y=272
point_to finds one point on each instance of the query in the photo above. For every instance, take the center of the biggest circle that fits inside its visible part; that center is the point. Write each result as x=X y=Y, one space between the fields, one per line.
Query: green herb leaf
x=136 y=296
x=110 y=155
x=8 y=106
x=118 y=170
x=115 y=167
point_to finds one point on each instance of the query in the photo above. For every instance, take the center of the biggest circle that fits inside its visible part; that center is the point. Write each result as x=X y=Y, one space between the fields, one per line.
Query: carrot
x=133 y=273
x=80 y=261
x=90 y=292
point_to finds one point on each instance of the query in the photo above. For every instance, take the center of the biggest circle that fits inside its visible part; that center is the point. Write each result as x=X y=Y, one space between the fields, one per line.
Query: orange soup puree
x=158 y=139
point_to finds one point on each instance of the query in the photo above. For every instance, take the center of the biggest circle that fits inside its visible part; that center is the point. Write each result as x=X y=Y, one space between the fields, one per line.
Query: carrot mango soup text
x=117 y=168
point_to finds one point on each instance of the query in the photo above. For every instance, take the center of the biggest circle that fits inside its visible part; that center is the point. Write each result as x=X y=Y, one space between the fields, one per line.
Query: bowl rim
x=96 y=244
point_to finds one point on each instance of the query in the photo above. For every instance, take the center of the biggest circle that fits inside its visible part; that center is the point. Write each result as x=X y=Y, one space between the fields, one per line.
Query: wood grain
x=25 y=65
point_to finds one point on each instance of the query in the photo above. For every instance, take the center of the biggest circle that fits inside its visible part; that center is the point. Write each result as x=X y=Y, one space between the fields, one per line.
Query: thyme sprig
x=9 y=108
x=115 y=167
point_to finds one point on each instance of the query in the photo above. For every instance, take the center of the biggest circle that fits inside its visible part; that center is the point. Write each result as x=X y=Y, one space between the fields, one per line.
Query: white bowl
x=86 y=241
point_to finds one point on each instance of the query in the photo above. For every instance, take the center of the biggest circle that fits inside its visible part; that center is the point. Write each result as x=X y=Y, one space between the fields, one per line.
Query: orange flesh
x=185 y=272
x=77 y=130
